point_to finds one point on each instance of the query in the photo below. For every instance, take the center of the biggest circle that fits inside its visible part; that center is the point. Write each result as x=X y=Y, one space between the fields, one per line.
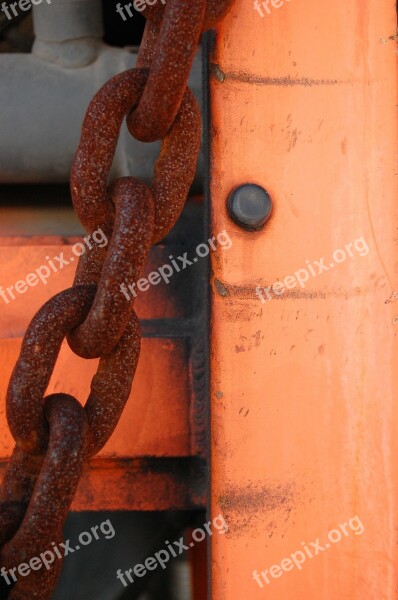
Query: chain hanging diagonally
x=168 y=48
x=55 y=435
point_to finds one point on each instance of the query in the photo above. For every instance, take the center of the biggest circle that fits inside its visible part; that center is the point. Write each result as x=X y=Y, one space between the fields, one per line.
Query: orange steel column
x=304 y=381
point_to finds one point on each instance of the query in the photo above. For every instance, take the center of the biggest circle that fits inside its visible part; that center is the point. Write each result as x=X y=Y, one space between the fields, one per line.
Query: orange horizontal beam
x=160 y=418
x=140 y=484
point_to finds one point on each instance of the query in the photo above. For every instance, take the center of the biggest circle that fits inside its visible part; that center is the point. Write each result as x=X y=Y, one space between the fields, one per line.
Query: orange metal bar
x=161 y=426
x=151 y=462
x=304 y=385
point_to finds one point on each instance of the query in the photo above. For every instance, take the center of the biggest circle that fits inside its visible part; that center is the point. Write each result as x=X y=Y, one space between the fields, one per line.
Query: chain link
x=56 y=435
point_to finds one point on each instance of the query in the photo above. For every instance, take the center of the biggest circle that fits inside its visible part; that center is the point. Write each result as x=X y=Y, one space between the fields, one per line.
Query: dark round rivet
x=250 y=206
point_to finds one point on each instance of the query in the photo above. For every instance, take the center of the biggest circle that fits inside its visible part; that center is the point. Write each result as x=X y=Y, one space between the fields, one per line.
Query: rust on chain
x=148 y=45
x=34 y=367
x=168 y=48
x=172 y=60
x=94 y=156
x=110 y=386
x=55 y=435
x=74 y=434
x=215 y=11
x=142 y=218
x=128 y=248
x=55 y=488
x=16 y=490
x=174 y=169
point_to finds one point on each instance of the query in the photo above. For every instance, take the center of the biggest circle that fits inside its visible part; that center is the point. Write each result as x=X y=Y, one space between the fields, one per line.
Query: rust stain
x=221 y=289
x=392 y=298
x=248 y=292
x=393 y=38
x=257 y=338
x=286 y=81
x=293 y=139
x=217 y=73
x=249 y=506
x=240 y=310
x=247 y=343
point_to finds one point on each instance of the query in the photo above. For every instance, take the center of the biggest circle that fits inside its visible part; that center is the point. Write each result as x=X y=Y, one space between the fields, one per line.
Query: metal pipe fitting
x=68 y=32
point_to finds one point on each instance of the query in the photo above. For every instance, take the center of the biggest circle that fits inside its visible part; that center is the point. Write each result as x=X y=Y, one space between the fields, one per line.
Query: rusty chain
x=56 y=435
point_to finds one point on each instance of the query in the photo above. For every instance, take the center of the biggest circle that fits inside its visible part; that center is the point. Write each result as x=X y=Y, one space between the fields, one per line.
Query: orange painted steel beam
x=154 y=422
x=140 y=484
x=304 y=385
x=152 y=461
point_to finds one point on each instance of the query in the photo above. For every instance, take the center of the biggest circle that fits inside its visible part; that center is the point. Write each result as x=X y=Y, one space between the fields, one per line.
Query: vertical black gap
x=208 y=41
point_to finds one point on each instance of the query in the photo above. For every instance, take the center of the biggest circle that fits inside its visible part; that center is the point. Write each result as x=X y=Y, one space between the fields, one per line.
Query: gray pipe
x=42 y=106
x=44 y=95
x=68 y=32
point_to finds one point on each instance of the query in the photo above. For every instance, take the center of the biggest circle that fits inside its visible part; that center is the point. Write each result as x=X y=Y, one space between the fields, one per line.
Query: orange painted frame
x=304 y=386
x=153 y=460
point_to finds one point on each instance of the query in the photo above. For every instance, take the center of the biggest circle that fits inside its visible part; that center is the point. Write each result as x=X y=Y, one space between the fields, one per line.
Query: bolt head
x=250 y=206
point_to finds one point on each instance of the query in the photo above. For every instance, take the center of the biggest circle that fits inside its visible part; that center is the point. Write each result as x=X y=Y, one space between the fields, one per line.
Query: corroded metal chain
x=56 y=435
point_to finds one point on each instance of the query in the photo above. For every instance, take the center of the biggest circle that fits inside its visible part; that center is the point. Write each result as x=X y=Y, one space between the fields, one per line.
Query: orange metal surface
x=161 y=427
x=304 y=385
x=149 y=462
